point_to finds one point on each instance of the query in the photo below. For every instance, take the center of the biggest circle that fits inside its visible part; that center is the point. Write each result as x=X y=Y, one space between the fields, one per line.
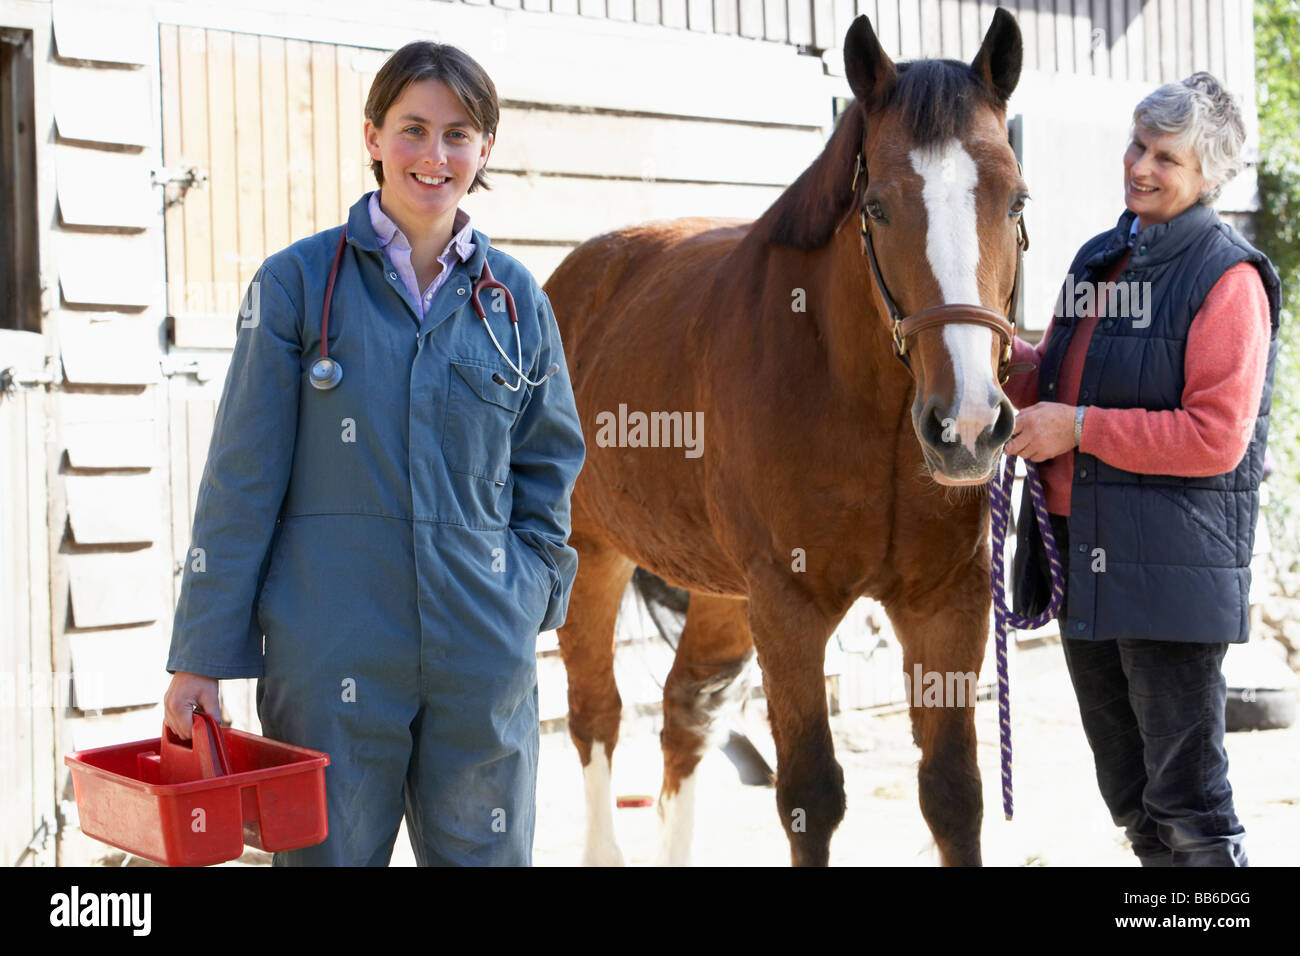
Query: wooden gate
x=262 y=140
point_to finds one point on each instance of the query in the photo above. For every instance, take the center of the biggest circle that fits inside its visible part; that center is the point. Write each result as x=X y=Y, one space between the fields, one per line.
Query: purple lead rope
x=1000 y=511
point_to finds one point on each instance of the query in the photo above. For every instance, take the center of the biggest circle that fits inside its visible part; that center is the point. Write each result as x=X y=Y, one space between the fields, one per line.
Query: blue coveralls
x=400 y=541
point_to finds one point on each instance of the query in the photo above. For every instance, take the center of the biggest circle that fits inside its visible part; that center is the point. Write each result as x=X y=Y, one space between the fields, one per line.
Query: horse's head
x=939 y=196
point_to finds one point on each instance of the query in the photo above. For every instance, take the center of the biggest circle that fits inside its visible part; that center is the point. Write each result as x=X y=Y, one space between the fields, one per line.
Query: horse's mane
x=938 y=101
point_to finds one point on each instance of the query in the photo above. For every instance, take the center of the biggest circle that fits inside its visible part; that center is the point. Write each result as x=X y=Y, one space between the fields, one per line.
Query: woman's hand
x=186 y=694
x=1043 y=431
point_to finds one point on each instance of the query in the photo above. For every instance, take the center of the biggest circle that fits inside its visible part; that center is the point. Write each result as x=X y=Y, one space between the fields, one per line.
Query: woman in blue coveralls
x=399 y=540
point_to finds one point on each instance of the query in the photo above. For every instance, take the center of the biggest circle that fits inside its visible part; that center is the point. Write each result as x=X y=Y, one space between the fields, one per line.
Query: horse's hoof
x=604 y=855
x=671 y=856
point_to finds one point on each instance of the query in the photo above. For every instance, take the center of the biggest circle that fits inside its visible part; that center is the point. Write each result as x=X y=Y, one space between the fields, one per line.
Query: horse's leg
x=587 y=645
x=943 y=636
x=706 y=676
x=790 y=633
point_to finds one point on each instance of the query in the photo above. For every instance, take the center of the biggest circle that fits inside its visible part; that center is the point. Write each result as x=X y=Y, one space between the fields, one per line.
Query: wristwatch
x=1078 y=424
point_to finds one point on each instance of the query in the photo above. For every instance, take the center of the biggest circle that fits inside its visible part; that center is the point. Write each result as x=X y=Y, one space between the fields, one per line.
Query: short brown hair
x=425 y=60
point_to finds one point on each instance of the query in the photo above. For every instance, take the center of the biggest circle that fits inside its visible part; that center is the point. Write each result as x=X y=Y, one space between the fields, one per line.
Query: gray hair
x=1204 y=116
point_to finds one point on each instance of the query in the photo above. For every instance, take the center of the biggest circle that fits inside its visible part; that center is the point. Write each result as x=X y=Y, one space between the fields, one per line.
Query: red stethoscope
x=325 y=372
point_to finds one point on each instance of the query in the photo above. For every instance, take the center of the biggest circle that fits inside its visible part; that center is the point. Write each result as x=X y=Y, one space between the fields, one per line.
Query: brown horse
x=806 y=487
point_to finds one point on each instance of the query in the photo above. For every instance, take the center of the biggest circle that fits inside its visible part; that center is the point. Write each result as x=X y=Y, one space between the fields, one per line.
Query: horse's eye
x=876 y=211
x=1018 y=206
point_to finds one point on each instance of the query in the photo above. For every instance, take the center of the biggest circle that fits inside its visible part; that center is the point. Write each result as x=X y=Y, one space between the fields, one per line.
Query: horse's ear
x=1000 y=56
x=871 y=73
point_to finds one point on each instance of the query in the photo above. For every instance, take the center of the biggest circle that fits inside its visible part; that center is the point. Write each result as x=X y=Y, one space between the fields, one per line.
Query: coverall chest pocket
x=480 y=416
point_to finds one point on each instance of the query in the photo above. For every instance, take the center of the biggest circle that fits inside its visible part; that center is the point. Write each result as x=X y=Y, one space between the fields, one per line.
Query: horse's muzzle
x=951 y=460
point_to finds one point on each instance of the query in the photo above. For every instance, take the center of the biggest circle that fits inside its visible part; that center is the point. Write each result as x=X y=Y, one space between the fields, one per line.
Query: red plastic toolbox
x=194 y=803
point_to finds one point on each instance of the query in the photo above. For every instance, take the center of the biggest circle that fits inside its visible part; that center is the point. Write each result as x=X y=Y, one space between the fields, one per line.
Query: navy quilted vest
x=1175 y=551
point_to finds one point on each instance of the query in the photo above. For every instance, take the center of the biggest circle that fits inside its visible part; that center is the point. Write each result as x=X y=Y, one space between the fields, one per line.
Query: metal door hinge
x=175 y=366
x=12 y=379
x=40 y=841
x=182 y=178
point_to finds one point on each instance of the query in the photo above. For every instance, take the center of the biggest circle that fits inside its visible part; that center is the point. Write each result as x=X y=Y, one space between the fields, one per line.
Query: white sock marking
x=678 y=832
x=602 y=845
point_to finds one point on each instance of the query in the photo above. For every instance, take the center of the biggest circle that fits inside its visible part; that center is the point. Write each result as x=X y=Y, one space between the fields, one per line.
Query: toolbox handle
x=202 y=756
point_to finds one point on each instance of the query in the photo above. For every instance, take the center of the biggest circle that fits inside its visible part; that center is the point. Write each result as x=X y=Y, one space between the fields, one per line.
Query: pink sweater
x=1226 y=357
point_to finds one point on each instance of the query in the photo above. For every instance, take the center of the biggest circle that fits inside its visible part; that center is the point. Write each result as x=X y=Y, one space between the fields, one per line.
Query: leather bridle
x=904 y=327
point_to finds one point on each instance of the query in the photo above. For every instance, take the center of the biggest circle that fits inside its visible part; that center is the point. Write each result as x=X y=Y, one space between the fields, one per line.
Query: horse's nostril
x=1005 y=423
x=934 y=424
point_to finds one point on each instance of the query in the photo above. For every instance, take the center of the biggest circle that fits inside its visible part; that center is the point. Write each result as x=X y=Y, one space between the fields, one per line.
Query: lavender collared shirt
x=398 y=247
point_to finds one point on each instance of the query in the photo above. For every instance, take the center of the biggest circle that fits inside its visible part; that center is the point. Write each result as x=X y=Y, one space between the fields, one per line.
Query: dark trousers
x=1153 y=713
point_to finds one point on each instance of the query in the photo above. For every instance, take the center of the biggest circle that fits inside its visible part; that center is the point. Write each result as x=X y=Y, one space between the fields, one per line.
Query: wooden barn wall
x=275 y=125
x=91 y=672
x=568 y=70
x=1147 y=40
x=28 y=690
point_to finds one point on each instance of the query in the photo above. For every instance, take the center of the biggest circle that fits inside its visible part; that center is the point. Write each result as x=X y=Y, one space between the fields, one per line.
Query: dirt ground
x=1059 y=819
x=1059 y=816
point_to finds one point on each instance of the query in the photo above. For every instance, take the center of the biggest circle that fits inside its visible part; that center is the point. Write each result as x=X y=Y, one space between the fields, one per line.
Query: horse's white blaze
x=953 y=249
x=678 y=815
x=602 y=845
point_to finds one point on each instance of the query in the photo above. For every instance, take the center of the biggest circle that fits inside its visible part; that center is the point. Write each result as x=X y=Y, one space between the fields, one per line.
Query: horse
x=824 y=468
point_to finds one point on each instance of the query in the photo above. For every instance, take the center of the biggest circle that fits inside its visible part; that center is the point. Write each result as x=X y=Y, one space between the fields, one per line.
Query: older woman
x=1148 y=409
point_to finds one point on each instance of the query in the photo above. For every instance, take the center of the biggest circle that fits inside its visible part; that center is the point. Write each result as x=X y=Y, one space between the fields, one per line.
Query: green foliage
x=1277 y=24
